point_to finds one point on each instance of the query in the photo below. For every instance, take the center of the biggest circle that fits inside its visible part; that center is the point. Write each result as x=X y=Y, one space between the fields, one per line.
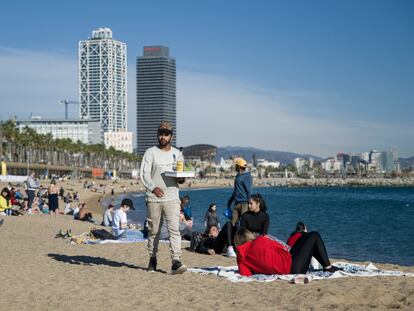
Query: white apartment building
x=85 y=131
x=300 y=165
x=332 y=165
x=103 y=80
x=265 y=163
x=120 y=140
x=375 y=161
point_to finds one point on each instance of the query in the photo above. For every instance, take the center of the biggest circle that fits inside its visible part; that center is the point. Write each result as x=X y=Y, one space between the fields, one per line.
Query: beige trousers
x=157 y=212
x=238 y=211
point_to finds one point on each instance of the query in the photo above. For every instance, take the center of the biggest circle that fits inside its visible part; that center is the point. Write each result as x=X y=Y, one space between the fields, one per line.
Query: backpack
x=196 y=238
x=102 y=234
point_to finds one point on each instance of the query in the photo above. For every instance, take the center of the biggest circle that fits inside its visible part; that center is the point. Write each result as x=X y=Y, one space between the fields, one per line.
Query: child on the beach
x=211 y=219
x=120 y=223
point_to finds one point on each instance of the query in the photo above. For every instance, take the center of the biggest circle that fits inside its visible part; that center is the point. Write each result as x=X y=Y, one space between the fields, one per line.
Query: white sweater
x=154 y=163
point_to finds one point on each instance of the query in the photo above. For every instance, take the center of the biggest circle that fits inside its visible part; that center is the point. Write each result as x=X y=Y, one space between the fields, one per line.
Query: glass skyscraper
x=103 y=80
x=156 y=95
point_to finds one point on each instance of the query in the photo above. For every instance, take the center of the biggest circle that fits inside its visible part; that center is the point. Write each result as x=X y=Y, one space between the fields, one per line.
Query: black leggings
x=308 y=245
x=224 y=238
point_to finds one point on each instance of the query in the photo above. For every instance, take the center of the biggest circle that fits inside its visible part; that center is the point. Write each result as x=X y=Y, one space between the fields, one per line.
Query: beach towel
x=129 y=236
x=350 y=270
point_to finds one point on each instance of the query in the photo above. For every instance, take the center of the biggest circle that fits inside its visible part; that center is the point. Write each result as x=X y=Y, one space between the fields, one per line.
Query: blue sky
x=315 y=77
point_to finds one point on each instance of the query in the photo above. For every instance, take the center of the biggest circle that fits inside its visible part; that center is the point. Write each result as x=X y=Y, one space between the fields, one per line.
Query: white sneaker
x=29 y=212
x=231 y=252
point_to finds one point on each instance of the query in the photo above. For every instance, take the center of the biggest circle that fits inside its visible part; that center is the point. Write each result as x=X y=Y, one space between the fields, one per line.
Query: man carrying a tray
x=162 y=197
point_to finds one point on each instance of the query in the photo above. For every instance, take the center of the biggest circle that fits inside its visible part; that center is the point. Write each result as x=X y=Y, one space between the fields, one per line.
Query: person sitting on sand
x=215 y=241
x=68 y=210
x=295 y=235
x=84 y=213
x=75 y=211
x=256 y=219
x=35 y=206
x=13 y=199
x=5 y=206
x=108 y=216
x=186 y=207
x=186 y=227
x=263 y=255
x=211 y=219
x=120 y=222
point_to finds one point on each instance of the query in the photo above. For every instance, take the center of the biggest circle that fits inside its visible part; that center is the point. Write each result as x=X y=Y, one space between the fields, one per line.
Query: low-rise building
x=265 y=163
x=120 y=140
x=332 y=165
x=85 y=131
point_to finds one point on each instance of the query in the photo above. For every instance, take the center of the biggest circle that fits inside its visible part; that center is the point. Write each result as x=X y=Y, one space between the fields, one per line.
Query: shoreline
x=94 y=200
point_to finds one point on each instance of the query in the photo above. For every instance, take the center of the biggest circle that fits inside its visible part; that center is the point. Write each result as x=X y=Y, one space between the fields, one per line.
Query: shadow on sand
x=90 y=261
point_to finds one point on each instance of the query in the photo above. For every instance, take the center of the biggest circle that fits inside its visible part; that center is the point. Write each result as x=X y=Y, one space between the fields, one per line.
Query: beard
x=163 y=142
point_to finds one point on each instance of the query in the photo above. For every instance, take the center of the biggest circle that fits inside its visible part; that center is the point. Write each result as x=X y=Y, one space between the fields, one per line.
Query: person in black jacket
x=256 y=220
x=214 y=242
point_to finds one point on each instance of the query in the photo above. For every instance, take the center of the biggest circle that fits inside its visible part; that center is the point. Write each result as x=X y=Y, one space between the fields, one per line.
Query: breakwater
x=336 y=182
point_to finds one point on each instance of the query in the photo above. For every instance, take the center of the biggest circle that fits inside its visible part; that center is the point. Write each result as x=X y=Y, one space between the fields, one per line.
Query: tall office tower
x=103 y=80
x=156 y=95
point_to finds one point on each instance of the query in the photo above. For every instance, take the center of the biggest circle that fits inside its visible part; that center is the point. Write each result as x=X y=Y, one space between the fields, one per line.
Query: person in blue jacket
x=242 y=191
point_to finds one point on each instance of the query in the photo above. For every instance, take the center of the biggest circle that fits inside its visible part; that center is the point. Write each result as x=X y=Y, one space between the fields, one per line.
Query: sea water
x=362 y=224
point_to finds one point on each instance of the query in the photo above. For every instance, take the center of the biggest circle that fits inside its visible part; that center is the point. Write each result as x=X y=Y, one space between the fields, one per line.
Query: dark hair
x=211 y=205
x=207 y=232
x=300 y=226
x=259 y=199
x=5 y=189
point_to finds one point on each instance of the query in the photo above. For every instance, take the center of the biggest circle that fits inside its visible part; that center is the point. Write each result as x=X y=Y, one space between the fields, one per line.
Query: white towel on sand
x=350 y=270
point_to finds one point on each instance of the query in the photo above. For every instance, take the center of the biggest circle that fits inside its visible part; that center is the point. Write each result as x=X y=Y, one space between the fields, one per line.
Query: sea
x=357 y=223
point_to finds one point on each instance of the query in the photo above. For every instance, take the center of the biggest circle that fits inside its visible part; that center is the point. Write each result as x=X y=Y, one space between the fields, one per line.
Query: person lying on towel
x=263 y=255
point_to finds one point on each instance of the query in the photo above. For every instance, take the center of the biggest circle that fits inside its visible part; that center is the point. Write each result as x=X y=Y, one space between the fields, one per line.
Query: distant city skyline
x=317 y=77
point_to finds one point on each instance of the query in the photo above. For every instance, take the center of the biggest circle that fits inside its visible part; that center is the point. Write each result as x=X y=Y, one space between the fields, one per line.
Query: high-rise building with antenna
x=103 y=80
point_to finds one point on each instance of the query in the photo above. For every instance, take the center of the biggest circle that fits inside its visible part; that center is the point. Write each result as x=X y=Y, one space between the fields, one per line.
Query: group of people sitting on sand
x=33 y=198
x=259 y=253
x=247 y=239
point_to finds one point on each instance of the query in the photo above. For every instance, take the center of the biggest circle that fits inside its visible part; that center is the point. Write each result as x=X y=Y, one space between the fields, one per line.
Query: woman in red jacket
x=263 y=255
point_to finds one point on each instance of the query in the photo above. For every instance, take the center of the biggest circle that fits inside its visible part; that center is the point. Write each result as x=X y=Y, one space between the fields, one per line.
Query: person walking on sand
x=162 y=197
x=242 y=191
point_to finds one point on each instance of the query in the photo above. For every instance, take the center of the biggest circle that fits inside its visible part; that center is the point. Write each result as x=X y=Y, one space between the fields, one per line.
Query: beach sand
x=41 y=272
